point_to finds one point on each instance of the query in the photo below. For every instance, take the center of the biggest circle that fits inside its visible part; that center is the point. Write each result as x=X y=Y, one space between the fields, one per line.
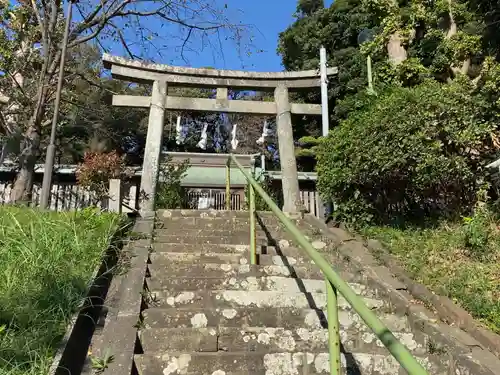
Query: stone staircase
x=208 y=311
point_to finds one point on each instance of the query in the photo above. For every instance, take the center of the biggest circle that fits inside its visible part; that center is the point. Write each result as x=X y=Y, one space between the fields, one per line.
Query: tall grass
x=46 y=264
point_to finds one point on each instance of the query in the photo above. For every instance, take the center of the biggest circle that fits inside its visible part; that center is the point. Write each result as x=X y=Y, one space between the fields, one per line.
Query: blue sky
x=269 y=18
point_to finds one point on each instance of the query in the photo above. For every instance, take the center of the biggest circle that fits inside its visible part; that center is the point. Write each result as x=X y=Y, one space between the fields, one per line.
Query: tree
x=307 y=7
x=336 y=28
x=30 y=50
x=443 y=37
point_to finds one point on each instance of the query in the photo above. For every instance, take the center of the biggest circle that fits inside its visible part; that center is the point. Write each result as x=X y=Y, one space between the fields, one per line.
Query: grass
x=458 y=260
x=47 y=261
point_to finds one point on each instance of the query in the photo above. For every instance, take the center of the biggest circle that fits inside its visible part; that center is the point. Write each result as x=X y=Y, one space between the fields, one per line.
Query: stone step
x=164 y=266
x=212 y=264
x=293 y=252
x=244 y=231
x=216 y=223
x=288 y=318
x=199 y=222
x=239 y=298
x=200 y=248
x=264 y=339
x=292 y=255
x=233 y=240
x=165 y=213
x=300 y=259
x=249 y=284
x=284 y=363
x=158 y=259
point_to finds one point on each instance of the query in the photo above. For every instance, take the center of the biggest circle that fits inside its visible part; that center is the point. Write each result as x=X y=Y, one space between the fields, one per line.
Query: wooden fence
x=312 y=202
x=67 y=196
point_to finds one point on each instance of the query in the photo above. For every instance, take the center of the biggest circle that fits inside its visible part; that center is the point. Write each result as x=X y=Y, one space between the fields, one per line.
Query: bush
x=98 y=168
x=413 y=153
x=170 y=193
x=266 y=184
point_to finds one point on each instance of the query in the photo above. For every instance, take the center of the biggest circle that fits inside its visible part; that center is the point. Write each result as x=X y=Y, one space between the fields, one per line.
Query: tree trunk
x=23 y=185
x=464 y=66
x=395 y=50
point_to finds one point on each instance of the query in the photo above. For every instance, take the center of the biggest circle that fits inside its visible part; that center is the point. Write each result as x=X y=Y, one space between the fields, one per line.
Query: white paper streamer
x=234 y=141
x=203 y=141
x=265 y=133
x=179 y=139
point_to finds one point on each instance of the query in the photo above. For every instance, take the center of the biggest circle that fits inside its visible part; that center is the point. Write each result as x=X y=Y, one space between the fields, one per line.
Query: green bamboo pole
x=332 y=315
x=228 y=184
x=253 y=242
x=398 y=350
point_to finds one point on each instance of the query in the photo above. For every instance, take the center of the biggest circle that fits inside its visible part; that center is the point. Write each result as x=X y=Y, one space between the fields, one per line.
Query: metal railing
x=334 y=284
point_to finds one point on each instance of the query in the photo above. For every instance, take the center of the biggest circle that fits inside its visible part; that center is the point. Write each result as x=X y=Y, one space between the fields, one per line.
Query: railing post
x=332 y=312
x=228 y=184
x=253 y=241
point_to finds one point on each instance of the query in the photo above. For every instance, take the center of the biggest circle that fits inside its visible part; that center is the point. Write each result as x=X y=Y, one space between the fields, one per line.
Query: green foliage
x=308 y=7
x=306 y=152
x=47 y=260
x=99 y=364
x=441 y=257
x=489 y=82
x=355 y=102
x=266 y=184
x=479 y=230
x=477 y=234
x=309 y=141
x=410 y=72
x=170 y=193
x=413 y=152
x=336 y=28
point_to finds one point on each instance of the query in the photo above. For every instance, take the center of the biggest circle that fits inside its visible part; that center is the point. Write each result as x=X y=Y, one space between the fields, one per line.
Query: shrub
x=98 y=168
x=170 y=193
x=266 y=184
x=413 y=153
x=480 y=231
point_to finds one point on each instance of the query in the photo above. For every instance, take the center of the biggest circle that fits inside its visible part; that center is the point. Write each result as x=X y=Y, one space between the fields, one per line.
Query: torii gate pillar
x=290 y=179
x=154 y=138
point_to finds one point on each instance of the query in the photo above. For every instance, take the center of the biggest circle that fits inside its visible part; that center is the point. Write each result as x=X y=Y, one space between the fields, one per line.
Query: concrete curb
x=70 y=356
x=119 y=336
x=465 y=351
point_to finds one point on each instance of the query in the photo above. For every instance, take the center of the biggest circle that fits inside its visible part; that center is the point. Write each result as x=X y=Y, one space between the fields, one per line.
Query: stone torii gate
x=161 y=76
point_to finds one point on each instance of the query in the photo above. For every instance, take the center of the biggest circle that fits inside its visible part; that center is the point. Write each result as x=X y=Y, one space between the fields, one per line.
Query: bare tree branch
x=182 y=27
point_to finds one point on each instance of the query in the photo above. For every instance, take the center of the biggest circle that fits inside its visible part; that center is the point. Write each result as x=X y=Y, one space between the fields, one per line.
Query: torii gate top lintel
x=139 y=71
